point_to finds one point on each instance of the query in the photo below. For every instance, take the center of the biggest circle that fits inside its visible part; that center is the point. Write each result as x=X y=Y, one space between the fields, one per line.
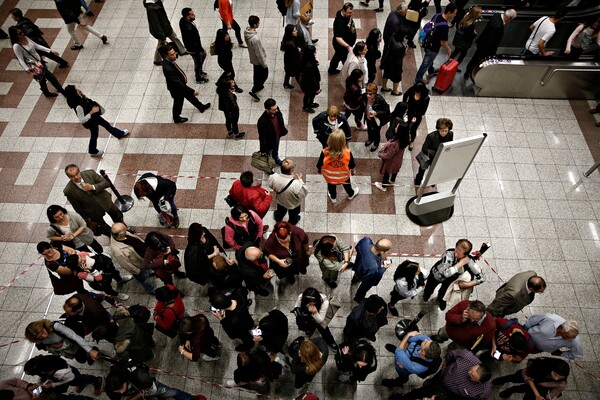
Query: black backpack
x=281 y=7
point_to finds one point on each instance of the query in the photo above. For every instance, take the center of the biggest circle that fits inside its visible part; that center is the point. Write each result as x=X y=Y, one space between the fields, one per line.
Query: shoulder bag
x=38 y=68
x=263 y=162
x=423 y=160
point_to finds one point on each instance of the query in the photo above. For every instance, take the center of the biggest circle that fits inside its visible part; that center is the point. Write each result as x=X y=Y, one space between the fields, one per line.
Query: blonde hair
x=35 y=328
x=336 y=143
x=333 y=111
x=371 y=88
x=311 y=356
x=471 y=17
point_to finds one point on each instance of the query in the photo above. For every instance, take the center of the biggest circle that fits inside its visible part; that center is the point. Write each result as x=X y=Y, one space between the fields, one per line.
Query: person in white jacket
x=356 y=60
x=409 y=281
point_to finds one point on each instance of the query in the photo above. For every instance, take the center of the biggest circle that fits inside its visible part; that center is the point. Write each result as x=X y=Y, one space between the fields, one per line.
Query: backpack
x=281 y=7
x=428 y=30
x=135 y=372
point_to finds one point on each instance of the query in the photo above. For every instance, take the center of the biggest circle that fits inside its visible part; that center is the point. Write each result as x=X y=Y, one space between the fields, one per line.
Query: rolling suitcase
x=446 y=75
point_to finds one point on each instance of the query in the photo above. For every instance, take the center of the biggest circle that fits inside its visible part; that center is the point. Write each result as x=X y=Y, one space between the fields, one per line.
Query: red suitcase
x=446 y=75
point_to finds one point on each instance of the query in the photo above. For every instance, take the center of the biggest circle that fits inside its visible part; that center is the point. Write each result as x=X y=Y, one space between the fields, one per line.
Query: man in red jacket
x=468 y=325
x=255 y=198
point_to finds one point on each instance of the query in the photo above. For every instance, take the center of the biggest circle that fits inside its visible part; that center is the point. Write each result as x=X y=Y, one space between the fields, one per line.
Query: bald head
x=253 y=253
x=118 y=231
x=383 y=245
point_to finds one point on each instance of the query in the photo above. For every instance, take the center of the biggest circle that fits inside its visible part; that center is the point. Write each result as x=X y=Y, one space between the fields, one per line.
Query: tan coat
x=126 y=256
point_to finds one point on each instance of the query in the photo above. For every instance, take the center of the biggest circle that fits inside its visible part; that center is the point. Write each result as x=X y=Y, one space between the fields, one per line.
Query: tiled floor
x=526 y=193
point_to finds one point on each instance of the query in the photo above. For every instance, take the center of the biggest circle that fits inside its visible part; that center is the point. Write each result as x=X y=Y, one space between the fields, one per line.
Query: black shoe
x=412 y=45
x=76 y=47
x=202 y=80
x=180 y=120
x=393 y=310
x=50 y=94
x=442 y=305
x=308 y=110
x=314 y=105
x=498 y=381
x=180 y=274
x=238 y=90
x=315 y=41
x=437 y=338
x=505 y=394
x=89 y=13
x=333 y=71
x=204 y=107
x=157 y=63
x=332 y=284
x=391 y=383
x=239 y=136
x=104 y=39
x=355 y=280
x=291 y=280
x=391 y=348
x=64 y=65
x=254 y=96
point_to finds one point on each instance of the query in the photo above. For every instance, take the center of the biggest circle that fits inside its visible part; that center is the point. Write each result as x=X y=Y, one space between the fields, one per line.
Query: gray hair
x=570 y=326
x=402 y=7
x=510 y=13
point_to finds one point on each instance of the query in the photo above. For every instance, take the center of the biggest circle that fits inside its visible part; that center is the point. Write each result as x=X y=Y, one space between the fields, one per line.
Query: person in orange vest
x=336 y=164
x=225 y=8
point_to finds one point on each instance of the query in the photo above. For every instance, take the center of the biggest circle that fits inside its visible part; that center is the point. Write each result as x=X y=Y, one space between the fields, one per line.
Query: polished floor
x=525 y=193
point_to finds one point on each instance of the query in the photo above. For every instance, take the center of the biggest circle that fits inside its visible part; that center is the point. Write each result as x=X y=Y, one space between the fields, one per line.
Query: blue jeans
x=165 y=392
x=144 y=279
x=274 y=152
x=426 y=65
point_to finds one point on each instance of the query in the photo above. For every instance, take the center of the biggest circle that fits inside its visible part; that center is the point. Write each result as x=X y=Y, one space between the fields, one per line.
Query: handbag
x=423 y=160
x=37 y=67
x=412 y=15
x=334 y=306
x=263 y=162
x=94 y=226
x=213 y=49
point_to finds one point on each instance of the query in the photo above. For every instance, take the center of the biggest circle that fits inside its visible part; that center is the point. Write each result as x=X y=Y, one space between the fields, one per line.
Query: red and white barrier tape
x=19 y=275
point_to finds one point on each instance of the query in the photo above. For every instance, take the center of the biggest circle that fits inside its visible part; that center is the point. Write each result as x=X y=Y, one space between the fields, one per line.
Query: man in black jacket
x=365 y=320
x=489 y=39
x=253 y=268
x=271 y=128
x=191 y=40
x=177 y=84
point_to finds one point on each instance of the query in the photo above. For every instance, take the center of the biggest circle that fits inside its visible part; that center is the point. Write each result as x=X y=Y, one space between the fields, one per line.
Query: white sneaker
x=333 y=201
x=122 y=297
x=126 y=278
x=356 y=190
x=207 y=358
x=379 y=186
x=230 y=383
x=125 y=133
x=99 y=154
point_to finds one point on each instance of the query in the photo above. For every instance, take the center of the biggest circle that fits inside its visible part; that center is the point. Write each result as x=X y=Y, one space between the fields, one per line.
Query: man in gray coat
x=258 y=57
x=86 y=191
x=517 y=293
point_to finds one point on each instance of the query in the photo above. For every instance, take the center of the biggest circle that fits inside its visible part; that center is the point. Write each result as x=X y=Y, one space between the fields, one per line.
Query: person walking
x=89 y=114
x=417 y=98
x=353 y=98
x=258 y=57
x=193 y=44
x=32 y=62
x=223 y=46
x=465 y=34
x=344 y=36
x=225 y=8
x=226 y=89
x=373 y=54
x=392 y=61
x=310 y=79
x=177 y=85
x=161 y=29
x=70 y=11
x=377 y=114
x=337 y=164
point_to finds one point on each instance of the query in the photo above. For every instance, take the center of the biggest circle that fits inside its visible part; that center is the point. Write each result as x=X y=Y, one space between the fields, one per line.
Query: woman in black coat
x=373 y=54
x=310 y=80
x=377 y=114
x=226 y=89
x=223 y=45
x=274 y=331
x=291 y=55
x=417 y=98
x=465 y=34
x=202 y=247
x=158 y=190
x=392 y=60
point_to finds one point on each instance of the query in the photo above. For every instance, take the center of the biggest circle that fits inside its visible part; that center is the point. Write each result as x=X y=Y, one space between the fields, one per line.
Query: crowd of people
x=245 y=264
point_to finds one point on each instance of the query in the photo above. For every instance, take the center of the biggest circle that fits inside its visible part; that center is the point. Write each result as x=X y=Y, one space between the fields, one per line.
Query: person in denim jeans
x=130 y=379
x=438 y=39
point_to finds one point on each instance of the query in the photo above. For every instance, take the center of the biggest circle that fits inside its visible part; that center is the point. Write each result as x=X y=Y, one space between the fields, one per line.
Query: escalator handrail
x=544 y=81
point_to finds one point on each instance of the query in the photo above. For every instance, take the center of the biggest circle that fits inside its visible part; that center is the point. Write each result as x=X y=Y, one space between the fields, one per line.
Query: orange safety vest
x=335 y=170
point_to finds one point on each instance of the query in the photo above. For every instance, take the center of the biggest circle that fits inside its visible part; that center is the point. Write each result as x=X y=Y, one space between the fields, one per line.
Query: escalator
x=556 y=77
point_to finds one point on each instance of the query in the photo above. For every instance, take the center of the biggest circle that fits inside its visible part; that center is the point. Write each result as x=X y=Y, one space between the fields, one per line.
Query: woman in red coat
x=392 y=151
x=169 y=310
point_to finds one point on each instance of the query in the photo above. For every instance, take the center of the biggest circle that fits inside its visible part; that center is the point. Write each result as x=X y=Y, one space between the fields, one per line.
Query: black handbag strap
x=32 y=56
x=287 y=186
